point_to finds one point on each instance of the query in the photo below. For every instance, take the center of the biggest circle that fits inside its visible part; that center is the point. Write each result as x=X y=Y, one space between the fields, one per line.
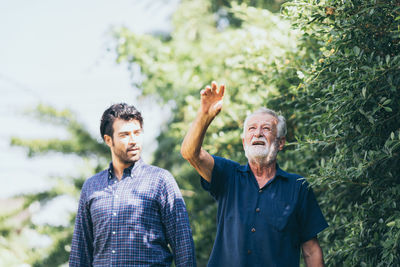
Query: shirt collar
x=279 y=171
x=129 y=170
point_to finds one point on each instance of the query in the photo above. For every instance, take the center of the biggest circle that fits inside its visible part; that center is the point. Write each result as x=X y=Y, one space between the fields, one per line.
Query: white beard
x=261 y=154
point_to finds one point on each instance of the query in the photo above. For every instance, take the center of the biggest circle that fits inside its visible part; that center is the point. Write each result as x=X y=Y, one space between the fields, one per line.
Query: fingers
x=206 y=91
x=221 y=89
x=213 y=89
x=214 y=86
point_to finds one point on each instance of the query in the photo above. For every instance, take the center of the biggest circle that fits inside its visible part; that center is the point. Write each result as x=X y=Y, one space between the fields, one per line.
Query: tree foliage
x=334 y=75
x=355 y=86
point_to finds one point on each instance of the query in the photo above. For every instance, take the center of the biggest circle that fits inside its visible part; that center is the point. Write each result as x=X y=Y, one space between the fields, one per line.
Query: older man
x=265 y=215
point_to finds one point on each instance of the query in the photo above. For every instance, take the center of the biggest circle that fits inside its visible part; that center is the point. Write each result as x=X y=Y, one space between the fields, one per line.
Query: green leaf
x=391 y=224
x=364 y=92
x=388 y=109
x=356 y=50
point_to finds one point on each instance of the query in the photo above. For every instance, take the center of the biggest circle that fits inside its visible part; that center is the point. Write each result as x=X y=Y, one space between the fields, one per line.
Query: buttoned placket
x=257 y=210
x=113 y=228
x=116 y=202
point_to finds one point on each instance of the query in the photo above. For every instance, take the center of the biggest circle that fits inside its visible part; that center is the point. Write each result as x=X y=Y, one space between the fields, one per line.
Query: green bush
x=354 y=92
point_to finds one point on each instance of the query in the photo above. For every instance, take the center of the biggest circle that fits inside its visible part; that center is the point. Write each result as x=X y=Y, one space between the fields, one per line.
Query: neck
x=263 y=170
x=119 y=168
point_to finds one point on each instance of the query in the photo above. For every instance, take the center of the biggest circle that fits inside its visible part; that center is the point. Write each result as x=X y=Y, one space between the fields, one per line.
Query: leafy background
x=332 y=68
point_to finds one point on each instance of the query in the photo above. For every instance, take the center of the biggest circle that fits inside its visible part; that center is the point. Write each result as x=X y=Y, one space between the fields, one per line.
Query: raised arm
x=191 y=150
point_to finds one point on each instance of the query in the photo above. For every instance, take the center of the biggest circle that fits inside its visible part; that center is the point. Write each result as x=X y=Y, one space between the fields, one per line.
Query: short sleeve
x=222 y=171
x=311 y=219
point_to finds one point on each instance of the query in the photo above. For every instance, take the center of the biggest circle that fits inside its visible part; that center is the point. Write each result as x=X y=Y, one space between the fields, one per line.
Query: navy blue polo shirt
x=261 y=227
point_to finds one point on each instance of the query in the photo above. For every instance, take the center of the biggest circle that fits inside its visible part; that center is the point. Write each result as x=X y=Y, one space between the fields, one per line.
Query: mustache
x=259 y=139
x=132 y=148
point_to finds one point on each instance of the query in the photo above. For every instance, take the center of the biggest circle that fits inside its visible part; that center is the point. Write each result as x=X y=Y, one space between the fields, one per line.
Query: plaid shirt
x=131 y=222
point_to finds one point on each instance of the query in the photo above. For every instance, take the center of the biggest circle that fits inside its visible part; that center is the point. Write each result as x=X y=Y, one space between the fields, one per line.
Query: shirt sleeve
x=82 y=239
x=176 y=221
x=222 y=171
x=311 y=219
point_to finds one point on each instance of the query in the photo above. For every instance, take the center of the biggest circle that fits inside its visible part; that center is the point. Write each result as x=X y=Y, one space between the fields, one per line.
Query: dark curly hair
x=118 y=111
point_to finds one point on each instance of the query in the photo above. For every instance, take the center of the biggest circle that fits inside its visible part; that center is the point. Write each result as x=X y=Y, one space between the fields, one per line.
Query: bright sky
x=55 y=52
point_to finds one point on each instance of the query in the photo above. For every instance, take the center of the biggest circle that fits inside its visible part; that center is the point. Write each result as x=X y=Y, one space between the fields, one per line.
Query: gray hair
x=281 y=120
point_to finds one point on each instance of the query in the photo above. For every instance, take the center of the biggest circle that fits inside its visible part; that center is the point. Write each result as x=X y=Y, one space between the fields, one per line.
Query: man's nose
x=259 y=132
x=132 y=139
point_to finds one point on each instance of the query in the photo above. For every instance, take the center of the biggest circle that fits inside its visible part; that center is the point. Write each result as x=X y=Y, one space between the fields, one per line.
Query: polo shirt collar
x=279 y=171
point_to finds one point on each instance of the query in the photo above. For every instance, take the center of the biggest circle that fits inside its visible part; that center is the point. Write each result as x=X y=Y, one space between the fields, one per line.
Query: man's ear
x=108 y=140
x=282 y=142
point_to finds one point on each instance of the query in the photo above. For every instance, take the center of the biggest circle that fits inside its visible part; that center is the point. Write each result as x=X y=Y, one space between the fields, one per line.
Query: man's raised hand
x=211 y=99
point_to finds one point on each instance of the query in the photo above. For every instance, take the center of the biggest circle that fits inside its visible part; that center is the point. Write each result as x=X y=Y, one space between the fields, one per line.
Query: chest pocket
x=278 y=213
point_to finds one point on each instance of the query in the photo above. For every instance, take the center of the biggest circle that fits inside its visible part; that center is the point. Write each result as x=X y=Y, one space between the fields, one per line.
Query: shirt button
x=114 y=214
x=260 y=191
x=253 y=229
x=113 y=232
x=249 y=251
x=257 y=209
x=116 y=196
x=113 y=251
x=115 y=182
